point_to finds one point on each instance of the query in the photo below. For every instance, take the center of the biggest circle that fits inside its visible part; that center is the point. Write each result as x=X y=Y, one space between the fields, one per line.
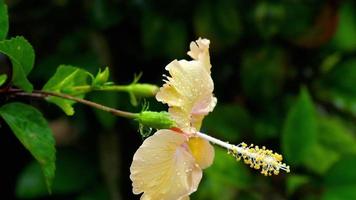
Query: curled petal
x=163 y=168
x=199 y=50
x=202 y=151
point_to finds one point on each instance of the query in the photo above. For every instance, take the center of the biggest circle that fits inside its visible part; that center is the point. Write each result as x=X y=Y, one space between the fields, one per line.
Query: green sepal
x=101 y=78
x=157 y=120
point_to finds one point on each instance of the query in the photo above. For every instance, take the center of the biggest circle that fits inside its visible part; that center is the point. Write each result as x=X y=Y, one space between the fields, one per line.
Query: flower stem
x=45 y=94
x=89 y=88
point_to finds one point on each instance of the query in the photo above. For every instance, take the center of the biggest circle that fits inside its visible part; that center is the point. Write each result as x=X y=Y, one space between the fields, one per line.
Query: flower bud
x=143 y=89
x=157 y=120
x=101 y=77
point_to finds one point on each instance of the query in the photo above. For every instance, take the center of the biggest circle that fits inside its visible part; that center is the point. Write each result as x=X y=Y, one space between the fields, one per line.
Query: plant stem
x=88 y=88
x=45 y=94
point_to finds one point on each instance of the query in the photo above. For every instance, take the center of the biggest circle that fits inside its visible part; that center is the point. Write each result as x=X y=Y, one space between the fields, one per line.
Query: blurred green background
x=284 y=73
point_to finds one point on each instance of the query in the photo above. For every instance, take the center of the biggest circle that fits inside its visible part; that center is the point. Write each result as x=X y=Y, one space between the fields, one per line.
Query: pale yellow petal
x=184 y=198
x=181 y=118
x=202 y=151
x=190 y=79
x=169 y=95
x=163 y=168
x=189 y=89
x=199 y=50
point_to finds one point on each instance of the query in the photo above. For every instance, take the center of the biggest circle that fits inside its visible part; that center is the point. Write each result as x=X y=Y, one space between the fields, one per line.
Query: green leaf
x=3 y=78
x=4 y=20
x=295 y=181
x=320 y=159
x=340 y=192
x=335 y=134
x=335 y=140
x=33 y=131
x=340 y=183
x=63 y=81
x=22 y=57
x=344 y=38
x=300 y=129
x=342 y=173
x=75 y=173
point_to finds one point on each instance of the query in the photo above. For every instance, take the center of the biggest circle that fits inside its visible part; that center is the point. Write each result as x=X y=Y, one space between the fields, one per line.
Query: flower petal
x=202 y=151
x=182 y=119
x=188 y=91
x=163 y=168
x=199 y=50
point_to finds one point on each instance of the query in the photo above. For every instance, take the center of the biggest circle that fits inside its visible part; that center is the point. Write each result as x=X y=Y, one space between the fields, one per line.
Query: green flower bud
x=157 y=120
x=143 y=89
x=101 y=77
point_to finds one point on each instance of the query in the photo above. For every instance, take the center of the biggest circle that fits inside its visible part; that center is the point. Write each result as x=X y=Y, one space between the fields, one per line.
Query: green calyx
x=101 y=78
x=157 y=120
x=143 y=89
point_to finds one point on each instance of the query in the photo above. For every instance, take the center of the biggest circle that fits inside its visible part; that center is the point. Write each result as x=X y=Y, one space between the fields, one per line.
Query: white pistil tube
x=258 y=158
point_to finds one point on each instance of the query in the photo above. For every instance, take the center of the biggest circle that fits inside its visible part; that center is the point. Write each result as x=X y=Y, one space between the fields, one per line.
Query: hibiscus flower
x=168 y=165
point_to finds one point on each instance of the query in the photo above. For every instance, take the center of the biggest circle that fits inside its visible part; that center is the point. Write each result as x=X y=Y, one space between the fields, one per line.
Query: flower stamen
x=269 y=162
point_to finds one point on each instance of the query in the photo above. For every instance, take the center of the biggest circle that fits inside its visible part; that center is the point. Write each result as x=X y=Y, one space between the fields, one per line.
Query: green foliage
x=74 y=173
x=262 y=52
x=320 y=158
x=158 y=29
x=269 y=17
x=3 y=78
x=22 y=56
x=263 y=73
x=300 y=130
x=295 y=181
x=138 y=90
x=228 y=122
x=344 y=38
x=340 y=182
x=101 y=78
x=335 y=134
x=63 y=81
x=337 y=86
x=218 y=21
x=32 y=130
x=4 y=21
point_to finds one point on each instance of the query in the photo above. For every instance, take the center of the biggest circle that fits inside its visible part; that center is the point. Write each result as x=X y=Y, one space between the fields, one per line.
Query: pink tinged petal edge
x=163 y=168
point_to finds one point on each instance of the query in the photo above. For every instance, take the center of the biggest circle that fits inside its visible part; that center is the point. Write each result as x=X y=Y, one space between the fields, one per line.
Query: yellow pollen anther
x=263 y=159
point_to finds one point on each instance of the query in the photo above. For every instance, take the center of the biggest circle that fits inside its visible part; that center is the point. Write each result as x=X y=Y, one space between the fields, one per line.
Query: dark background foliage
x=284 y=73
